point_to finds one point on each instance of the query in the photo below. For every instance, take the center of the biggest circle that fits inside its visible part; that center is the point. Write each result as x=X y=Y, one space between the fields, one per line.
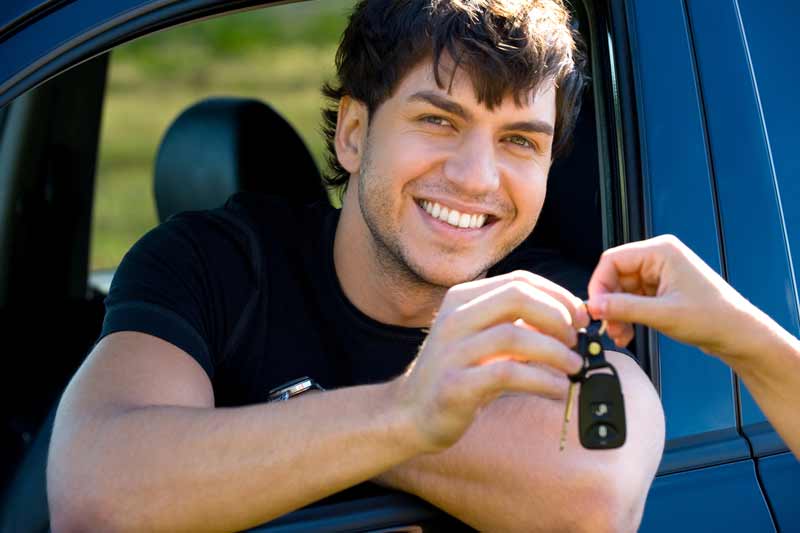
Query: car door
x=707 y=479
x=752 y=111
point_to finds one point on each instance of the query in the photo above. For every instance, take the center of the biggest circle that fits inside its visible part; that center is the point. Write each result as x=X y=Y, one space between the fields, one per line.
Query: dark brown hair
x=507 y=47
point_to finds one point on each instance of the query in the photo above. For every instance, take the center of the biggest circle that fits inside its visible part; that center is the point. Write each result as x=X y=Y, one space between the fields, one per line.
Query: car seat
x=223 y=145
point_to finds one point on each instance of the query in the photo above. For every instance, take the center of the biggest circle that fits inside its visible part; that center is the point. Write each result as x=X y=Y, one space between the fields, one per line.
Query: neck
x=379 y=285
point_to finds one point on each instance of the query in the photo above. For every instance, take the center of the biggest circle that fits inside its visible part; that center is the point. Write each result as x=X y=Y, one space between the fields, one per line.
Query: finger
x=520 y=344
x=651 y=311
x=620 y=332
x=489 y=381
x=507 y=303
x=641 y=260
x=465 y=292
x=630 y=283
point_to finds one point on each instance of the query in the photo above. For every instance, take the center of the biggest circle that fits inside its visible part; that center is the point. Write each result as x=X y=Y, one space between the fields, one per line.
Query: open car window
x=280 y=55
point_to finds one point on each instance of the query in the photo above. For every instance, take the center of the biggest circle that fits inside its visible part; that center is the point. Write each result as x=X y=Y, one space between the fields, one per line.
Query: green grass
x=280 y=55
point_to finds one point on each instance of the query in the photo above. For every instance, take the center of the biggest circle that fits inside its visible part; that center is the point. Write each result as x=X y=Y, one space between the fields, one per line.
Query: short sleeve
x=186 y=282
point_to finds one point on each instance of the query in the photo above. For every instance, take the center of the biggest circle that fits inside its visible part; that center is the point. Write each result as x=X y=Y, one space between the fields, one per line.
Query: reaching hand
x=481 y=345
x=662 y=284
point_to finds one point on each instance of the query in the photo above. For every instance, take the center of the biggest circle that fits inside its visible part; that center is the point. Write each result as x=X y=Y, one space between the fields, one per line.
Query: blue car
x=689 y=127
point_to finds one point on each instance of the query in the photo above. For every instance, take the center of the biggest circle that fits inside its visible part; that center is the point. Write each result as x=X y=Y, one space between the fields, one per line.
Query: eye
x=524 y=142
x=437 y=121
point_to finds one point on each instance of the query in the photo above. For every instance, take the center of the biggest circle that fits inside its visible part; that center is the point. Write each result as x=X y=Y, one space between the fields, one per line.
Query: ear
x=351 y=130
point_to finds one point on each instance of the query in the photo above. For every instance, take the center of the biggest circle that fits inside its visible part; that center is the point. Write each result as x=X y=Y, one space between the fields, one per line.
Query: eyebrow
x=445 y=104
x=441 y=102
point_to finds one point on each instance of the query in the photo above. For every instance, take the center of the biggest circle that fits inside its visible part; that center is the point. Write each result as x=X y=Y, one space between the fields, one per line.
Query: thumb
x=650 y=311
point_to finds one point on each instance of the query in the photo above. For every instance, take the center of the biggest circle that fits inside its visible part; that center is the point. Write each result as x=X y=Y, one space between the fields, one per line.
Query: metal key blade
x=567 y=414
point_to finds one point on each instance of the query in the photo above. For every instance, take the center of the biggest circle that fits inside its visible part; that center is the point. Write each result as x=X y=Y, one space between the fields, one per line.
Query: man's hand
x=663 y=284
x=481 y=345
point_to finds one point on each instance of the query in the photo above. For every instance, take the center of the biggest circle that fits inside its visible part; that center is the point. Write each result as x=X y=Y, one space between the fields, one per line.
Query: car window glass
x=279 y=55
x=766 y=26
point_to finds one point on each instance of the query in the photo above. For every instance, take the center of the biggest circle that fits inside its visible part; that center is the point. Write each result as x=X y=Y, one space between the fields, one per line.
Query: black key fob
x=601 y=411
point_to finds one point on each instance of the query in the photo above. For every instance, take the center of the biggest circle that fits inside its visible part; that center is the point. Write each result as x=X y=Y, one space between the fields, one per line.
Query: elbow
x=80 y=505
x=608 y=509
x=613 y=494
x=70 y=515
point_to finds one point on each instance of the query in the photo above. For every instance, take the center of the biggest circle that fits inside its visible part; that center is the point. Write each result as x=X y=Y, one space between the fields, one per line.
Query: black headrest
x=220 y=146
x=570 y=221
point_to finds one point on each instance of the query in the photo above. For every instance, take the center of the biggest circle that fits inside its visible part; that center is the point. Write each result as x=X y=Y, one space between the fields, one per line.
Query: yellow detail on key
x=595 y=348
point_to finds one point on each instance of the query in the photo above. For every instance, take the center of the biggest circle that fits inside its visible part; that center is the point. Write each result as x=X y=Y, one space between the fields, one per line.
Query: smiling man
x=445 y=189
x=445 y=373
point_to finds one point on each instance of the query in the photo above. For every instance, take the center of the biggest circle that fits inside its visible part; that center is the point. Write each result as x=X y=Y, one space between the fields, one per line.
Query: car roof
x=41 y=38
x=13 y=14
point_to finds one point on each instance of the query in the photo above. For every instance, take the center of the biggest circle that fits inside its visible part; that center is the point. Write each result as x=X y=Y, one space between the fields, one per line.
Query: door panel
x=753 y=110
x=717 y=498
x=697 y=390
x=756 y=244
x=764 y=27
x=781 y=477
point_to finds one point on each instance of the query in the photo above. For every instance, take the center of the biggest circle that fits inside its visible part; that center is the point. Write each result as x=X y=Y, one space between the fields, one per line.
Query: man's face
x=446 y=187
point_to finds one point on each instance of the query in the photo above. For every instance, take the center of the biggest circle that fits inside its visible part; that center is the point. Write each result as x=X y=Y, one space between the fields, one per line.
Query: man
x=445 y=377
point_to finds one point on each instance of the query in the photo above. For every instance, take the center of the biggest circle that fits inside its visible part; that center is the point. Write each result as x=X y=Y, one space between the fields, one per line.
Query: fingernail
x=599 y=307
x=583 y=315
x=577 y=363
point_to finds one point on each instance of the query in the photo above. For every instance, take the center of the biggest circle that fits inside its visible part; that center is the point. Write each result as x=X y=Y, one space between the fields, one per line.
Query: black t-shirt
x=250 y=291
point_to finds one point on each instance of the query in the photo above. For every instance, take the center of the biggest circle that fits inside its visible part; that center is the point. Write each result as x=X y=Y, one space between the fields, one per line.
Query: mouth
x=455 y=218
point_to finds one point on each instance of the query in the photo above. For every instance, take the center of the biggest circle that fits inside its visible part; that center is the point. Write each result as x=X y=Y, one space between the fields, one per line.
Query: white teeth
x=453 y=217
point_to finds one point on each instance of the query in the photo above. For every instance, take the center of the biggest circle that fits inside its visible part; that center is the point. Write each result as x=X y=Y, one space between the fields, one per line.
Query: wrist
x=400 y=420
x=749 y=333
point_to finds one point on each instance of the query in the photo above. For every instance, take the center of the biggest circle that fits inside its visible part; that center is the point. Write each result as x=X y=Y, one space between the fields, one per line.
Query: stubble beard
x=390 y=252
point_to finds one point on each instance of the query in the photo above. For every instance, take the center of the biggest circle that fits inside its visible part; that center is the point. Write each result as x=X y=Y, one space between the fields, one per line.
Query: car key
x=574 y=379
x=601 y=411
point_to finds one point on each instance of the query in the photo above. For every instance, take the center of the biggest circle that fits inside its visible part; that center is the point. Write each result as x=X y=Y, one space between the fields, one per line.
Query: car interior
x=51 y=311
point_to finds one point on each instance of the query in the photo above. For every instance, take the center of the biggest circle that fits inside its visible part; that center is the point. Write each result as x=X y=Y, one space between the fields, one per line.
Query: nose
x=472 y=167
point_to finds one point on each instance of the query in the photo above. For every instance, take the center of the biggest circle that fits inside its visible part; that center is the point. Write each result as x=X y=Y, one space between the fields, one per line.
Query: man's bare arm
x=506 y=473
x=137 y=445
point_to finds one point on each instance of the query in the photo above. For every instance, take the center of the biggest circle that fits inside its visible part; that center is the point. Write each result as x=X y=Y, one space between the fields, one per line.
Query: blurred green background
x=281 y=55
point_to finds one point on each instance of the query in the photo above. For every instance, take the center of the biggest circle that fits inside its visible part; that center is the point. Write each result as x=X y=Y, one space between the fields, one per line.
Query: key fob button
x=600 y=409
x=603 y=433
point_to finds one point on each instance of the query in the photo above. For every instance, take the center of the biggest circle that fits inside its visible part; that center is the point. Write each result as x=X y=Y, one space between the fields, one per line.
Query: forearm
x=176 y=468
x=488 y=479
x=507 y=474
x=768 y=362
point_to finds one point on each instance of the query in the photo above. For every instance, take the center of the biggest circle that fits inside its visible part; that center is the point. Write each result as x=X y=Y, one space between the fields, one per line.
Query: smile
x=453 y=217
